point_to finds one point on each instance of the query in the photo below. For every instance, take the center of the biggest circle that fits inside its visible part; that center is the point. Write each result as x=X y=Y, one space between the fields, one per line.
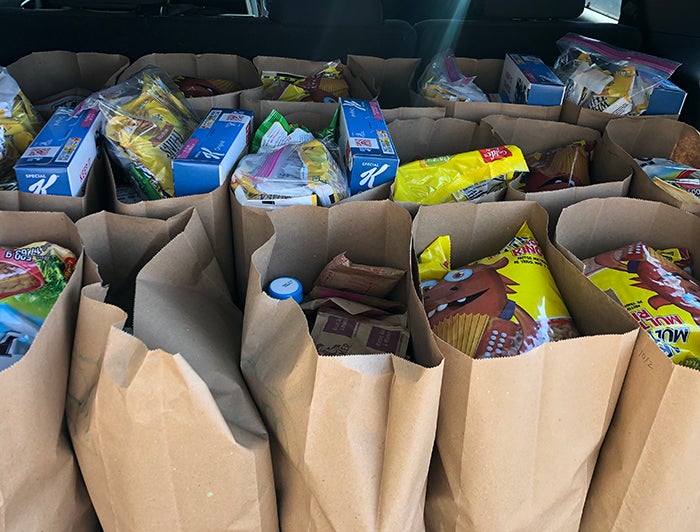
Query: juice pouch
x=659 y=295
x=146 y=124
x=31 y=279
x=502 y=305
x=461 y=177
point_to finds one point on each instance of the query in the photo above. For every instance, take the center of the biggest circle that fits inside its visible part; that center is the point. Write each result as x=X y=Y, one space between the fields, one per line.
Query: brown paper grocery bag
x=214 y=210
x=233 y=68
x=647 y=477
x=164 y=428
x=632 y=138
x=609 y=174
x=41 y=487
x=572 y=113
x=518 y=437
x=351 y=435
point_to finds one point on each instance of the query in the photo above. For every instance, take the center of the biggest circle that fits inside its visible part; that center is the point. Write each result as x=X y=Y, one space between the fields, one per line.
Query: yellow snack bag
x=19 y=124
x=434 y=262
x=660 y=296
x=146 y=125
x=502 y=305
x=462 y=177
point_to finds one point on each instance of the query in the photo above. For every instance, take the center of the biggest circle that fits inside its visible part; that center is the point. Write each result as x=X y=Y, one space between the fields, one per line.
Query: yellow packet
x=513 y=288
x=434 y=262
x=461 y=177
x=659 y=295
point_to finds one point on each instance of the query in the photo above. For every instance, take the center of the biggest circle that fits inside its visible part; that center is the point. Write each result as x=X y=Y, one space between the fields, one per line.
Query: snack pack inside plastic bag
x=326 y=85
x=442 y=79
x=31 y=279
x=293 y=174
x=19 y=124
x=559 y=168
x=146 y=124
x=502 y=305
x=663 y=298
x=462 y=177
x=605 y=78
x=679 y=180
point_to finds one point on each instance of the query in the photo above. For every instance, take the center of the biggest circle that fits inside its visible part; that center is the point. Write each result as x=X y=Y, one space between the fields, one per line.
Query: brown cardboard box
x=488 y=77
x=91 y=201
x=206 y=66
x=359 y=81
x=44 y=74
x=654 y=137
x=610 y=176
x=40 y=483
x=575 y=114
x=166 y=433
x=352 y=435
x=647 y=476
x=518 y=437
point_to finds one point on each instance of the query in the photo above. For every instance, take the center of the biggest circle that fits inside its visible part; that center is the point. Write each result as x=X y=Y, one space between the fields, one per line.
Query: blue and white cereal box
x=369 y=152
x=527 y=80
x=60 y=157
x=208 y=156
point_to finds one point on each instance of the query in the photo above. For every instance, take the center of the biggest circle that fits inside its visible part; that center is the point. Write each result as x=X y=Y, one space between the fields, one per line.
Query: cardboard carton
x=208 y=156
x=233 y=68
x=631 y=138
x=60 y=157
x=370 y=156
x=527 y=80
x=488 y=76
x=667 y=98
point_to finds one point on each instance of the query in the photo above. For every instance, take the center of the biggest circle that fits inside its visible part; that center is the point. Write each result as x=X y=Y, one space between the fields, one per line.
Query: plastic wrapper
x=563 y=167
x=293 y=174
x=442 y=79
x=31 y=279
x=679 y=180
x=606 y=78
x=19 y=124
x=502 y=305
x=197 y=87
x=146 y=124
x=660 y=296
x=462 y=177
x=326 y=85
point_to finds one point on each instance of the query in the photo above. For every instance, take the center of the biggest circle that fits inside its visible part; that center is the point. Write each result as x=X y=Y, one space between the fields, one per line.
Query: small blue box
x=370 y=156
x=666 y=99
x=60 y=157
x=208 y=156
x=527 y=80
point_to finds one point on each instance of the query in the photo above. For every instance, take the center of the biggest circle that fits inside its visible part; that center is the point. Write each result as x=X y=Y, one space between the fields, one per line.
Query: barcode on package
x=68 y=150
x=385 y=142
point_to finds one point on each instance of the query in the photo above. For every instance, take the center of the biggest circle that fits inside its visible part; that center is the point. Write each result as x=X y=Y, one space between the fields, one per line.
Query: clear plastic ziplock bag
x=605 y=78
x=146 y=123
x=293 y=174
x=442 y=79
x=19 y=124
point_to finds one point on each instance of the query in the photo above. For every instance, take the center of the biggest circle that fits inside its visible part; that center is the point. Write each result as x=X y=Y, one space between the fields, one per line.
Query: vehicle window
x=609 y=8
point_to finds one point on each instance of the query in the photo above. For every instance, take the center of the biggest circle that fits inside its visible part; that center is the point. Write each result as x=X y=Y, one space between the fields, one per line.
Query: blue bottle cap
x=286 y=288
